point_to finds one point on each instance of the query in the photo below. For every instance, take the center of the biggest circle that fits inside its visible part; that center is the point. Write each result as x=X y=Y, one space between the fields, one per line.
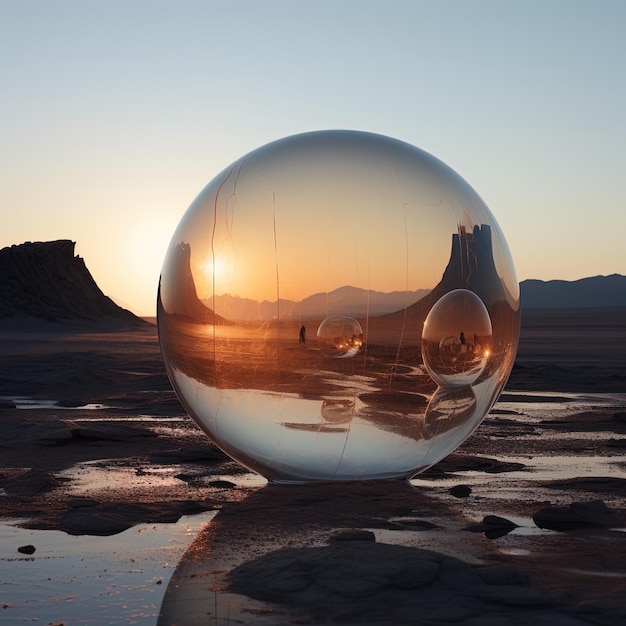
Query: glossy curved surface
x=315 y=233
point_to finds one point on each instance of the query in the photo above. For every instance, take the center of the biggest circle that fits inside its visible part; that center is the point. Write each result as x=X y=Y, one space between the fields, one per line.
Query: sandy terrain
x=106 y=445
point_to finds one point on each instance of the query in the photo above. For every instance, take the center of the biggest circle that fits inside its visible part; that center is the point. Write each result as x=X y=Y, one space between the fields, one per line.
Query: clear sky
x=114 y=115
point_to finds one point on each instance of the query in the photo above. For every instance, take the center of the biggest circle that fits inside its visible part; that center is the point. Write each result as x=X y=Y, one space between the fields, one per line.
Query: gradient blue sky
x=116 y=114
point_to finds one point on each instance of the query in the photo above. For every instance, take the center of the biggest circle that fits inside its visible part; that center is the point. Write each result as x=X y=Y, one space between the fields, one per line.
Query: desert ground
x=525 y=523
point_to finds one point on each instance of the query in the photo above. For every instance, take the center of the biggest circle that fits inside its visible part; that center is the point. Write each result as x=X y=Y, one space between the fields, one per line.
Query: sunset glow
x=110 y=150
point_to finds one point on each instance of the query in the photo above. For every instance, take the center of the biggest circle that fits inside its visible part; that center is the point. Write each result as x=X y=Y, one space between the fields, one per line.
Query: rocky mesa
x=46 y=281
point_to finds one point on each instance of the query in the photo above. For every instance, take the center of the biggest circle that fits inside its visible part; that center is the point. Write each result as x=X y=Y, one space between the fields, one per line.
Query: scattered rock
x=595 y=484
x=101 y=521
x=460 y=491
x=188 y=454
x=54 y=435
x=493 y=526
x=31 y=483
x=465 y=463
x=353 y=535
x=20 y=432
x=616 y=443
x=411 y=524
x=578 y=515
x=29 y=549
x=222 y=484
x=110 y=431
x=111 y=518
x=71 y=403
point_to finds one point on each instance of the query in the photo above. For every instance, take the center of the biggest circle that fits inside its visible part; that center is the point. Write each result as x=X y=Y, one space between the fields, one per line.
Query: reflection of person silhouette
x=462 y=339
x=302 y=340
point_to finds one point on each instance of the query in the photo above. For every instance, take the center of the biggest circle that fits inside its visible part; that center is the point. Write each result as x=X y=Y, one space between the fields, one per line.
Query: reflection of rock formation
x=180 y=297
x=471 y=266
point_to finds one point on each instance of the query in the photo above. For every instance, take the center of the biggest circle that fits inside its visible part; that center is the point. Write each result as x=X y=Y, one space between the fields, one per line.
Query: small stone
x=460 y=491
x=222 y=484
x=29 y=549
x=616 y=443
x=354 y=535
x=493 y=526
x=578 y=515
x=500 y=522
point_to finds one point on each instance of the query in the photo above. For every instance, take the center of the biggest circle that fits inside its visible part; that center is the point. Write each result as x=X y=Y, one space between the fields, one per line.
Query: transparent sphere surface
x=457 y=360
x=339 y=336
x=336 y=306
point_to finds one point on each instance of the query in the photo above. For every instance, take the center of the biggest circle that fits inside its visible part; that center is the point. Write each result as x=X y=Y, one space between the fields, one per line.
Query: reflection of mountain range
x=471 y=266
x=350 y=301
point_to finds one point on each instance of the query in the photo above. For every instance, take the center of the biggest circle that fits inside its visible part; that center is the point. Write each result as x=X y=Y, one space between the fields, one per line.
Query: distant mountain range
x=596 y=291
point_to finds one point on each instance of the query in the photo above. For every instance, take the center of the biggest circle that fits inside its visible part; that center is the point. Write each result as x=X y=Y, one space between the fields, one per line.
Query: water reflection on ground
x=123 y=578
x=92 y=580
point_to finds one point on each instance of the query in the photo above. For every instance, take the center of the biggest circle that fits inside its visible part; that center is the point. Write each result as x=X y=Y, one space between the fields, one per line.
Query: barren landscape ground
x=94 y=443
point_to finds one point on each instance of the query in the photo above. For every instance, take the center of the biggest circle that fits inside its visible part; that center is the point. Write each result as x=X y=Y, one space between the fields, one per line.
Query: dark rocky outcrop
x=46 y=281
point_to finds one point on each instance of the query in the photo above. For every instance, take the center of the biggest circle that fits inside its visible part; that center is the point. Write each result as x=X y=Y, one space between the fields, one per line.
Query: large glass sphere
x=338 y=305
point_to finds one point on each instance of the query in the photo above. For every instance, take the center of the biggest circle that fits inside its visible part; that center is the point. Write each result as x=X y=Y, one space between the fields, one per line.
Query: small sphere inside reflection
x=457 y=360
x=339 y=337
x=292 y=299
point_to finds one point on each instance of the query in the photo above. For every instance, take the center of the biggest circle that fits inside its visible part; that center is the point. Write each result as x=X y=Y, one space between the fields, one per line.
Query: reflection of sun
x=214 y=274
x=214 y=268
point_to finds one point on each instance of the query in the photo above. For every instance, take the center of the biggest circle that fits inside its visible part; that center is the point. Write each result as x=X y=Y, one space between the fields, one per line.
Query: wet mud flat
x=525 y=520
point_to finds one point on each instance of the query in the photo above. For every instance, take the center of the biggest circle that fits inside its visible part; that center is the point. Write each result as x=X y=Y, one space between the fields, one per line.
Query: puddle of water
x=135 y=418
x=25 y=402
x=562 y=467
x=95 y=477
x=92 y=580
x=514 y=551
x=587 y=572
x=550 y=405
